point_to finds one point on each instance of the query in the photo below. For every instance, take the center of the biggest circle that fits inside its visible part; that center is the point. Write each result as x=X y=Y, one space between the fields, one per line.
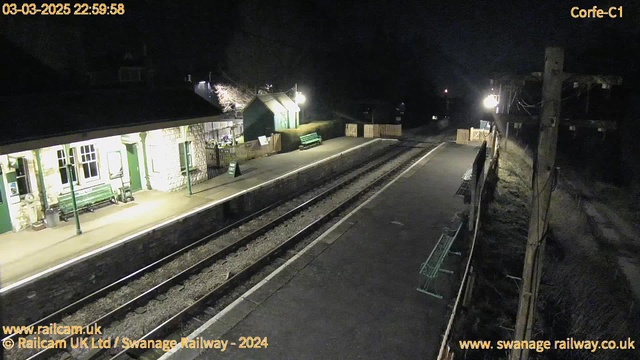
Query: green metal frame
x=72 y=188
x=5 y=216
x=85 y=198
x=41 y=185
x=430 y=269
x=310 y=139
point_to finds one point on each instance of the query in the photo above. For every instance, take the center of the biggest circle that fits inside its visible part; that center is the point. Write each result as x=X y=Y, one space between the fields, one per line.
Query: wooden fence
x=480 y=135
x=379 y=130
x=390 y=130
x=465 y=136
x=351 y=130
x=371 y=130
x=462 y=137
x=222 y=157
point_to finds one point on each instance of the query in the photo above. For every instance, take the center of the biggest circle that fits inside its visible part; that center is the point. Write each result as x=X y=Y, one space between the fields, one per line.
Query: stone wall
x=23 y=214
x=46 y=294
x=164 y=158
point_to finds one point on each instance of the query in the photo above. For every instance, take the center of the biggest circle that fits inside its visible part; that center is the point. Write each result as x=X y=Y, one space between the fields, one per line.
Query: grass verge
x=583 y=294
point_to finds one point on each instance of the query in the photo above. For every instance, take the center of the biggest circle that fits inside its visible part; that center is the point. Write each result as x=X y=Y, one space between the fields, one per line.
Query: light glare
x=490 y=101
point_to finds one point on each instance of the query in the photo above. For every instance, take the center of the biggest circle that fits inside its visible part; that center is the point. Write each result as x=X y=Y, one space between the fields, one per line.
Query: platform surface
x=29 y=252
x=352 y=294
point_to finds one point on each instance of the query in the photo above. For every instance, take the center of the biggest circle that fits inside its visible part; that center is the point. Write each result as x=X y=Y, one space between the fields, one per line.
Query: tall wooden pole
x=543 y=181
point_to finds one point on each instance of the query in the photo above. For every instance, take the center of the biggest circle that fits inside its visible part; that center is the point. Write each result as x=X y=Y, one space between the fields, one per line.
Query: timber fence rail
x=242 y=152
x=488 y=151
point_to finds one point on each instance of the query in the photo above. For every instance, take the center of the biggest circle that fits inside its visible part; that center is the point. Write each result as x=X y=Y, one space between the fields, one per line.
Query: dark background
x=347 y=54
x=335 y=50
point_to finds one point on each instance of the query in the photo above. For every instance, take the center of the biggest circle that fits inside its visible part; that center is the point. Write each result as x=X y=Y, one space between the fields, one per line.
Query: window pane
x=63 y=176
x=85 y=168
x=20 y=171
x=94 y=168
x=181 y=155
x=23 y=186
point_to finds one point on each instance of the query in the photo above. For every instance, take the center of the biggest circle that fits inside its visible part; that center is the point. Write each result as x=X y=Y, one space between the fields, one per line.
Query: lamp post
x=446 y=98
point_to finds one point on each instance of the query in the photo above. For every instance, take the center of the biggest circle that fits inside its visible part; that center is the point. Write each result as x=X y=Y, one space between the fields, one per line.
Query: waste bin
x=52 y=217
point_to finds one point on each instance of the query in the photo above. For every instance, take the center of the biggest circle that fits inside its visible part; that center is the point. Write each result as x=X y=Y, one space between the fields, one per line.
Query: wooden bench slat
x=85 y=197
x=309 y=139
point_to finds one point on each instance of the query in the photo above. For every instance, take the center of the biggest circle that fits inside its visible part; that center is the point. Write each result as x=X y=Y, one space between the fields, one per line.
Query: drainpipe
x=186 y=164
x=185 y=130
x=143 y=138
x=43 y=190
x=73 y=193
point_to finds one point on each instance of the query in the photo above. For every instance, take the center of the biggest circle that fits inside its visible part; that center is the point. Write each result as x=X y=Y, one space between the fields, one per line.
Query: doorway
x=5 y=217
x=134 y=168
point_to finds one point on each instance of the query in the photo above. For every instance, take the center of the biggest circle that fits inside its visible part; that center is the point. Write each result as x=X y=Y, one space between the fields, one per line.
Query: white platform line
x=257 y=286
x=177 y=218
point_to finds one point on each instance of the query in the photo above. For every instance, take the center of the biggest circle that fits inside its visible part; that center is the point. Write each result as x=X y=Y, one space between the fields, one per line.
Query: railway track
x=152 y=298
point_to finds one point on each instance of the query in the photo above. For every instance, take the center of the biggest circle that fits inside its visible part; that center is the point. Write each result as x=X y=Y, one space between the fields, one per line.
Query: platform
x=352 y=293
x=26 y=253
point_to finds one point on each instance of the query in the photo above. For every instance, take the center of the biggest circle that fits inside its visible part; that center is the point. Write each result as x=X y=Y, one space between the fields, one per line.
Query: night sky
x=377 y=49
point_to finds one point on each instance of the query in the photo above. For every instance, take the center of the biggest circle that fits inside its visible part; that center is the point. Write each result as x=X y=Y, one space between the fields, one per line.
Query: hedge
x=326 y=129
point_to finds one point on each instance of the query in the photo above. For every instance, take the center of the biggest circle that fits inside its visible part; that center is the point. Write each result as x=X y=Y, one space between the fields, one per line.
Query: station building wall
x=163 y=163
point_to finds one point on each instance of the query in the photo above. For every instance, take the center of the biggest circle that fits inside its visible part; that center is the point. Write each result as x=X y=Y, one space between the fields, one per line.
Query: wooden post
x=542 y=187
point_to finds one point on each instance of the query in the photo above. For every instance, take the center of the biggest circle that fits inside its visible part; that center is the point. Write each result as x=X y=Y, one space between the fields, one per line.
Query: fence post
x=216 y=150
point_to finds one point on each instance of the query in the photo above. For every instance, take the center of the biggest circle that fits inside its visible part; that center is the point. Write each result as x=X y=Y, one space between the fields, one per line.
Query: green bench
x=310 y=140
x=432 y=267
x=86 y=199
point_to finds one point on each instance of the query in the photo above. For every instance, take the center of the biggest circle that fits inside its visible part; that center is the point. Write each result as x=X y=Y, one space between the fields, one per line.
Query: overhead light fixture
x=490 y=101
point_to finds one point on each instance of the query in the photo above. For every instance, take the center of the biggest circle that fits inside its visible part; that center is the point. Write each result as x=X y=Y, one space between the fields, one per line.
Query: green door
x=5 y=218
x=134 y=168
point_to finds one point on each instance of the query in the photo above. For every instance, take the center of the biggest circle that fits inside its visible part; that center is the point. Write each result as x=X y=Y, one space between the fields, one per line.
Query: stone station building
x=134 y=138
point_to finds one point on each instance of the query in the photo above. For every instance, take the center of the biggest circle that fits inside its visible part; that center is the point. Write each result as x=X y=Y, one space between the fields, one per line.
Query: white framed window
x=114 y=164
x=62 y=166
x=89 y=160
x=189 y=155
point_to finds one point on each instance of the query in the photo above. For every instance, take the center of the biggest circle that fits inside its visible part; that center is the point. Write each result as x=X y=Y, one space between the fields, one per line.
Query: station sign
x=234 y=169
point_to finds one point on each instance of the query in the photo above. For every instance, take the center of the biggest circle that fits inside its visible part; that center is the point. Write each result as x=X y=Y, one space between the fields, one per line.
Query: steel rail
x=166 y=327
x=162 y=287
x=58 y=314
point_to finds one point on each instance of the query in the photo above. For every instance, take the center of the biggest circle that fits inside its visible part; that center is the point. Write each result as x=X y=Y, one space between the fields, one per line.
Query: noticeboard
x=234 y=169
